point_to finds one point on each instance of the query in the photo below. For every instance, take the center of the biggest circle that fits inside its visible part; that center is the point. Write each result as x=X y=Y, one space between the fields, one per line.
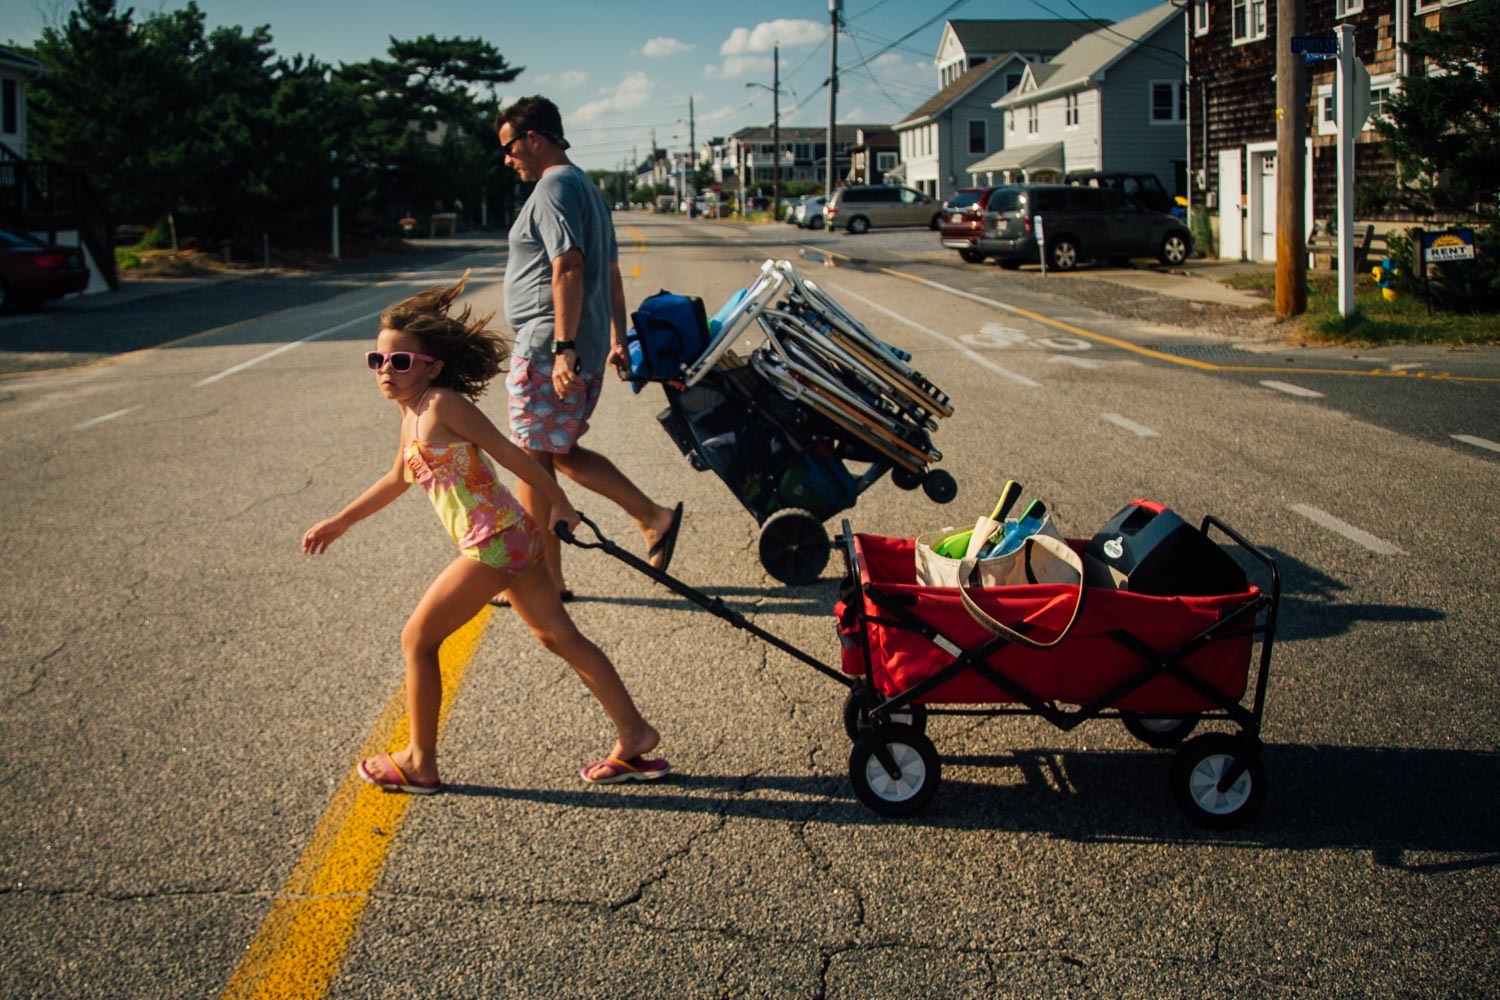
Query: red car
x=32 y=271
x=963 y=222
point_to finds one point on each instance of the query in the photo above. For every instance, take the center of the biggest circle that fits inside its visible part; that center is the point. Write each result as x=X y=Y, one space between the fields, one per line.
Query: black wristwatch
x=558 y=346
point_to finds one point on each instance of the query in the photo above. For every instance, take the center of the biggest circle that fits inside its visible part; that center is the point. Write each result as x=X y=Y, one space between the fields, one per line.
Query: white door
x=1231 y=206
x=1267 y=206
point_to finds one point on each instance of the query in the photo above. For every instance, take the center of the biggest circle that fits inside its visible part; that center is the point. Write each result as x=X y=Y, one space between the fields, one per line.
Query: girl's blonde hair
x=471 y=353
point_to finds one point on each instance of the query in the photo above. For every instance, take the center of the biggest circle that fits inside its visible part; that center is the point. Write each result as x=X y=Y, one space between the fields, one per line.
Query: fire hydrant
x=1385 y=276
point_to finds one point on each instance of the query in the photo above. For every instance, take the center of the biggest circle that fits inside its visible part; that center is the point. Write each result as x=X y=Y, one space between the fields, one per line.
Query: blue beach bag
x=668 y=332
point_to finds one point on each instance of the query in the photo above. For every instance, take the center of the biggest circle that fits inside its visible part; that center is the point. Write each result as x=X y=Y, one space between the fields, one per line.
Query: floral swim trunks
x=539 y=420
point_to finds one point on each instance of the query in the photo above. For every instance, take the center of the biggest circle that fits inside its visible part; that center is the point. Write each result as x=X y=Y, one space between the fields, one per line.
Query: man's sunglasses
x=559 y=141
x=400 y=360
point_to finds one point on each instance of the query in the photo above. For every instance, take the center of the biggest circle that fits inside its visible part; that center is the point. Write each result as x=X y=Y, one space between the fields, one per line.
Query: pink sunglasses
x=400 y=360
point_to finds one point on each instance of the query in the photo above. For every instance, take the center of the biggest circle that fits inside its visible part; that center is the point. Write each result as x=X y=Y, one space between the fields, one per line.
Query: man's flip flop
x=393 y=779
x=634 y=769
x=668 y=541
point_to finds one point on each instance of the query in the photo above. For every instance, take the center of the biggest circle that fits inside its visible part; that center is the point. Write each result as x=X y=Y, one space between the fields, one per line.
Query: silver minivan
x=860 y=207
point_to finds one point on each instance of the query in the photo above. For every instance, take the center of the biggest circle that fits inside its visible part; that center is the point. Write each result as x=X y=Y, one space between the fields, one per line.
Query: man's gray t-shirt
x=565 y=210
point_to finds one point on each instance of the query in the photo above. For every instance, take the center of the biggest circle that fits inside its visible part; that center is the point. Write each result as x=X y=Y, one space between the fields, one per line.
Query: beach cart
x=803 y=423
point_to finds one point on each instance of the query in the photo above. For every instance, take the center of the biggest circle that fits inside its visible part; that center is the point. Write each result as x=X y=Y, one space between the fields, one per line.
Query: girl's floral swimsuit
x=486 y=522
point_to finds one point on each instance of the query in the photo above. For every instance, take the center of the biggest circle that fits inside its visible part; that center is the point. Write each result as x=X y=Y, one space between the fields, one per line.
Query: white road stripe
x=284 y=348
x=1377 y=545
x=108 y=416
x=1291 y=390
x=1070 y=360
x=972 y=355
x=1477 y=442
x=1130 y=425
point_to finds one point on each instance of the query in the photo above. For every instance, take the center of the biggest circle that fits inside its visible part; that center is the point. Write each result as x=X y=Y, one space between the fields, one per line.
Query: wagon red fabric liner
x=1083 y=667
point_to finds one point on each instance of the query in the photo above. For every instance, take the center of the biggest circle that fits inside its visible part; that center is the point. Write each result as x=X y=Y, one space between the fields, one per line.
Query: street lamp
x=775 y=90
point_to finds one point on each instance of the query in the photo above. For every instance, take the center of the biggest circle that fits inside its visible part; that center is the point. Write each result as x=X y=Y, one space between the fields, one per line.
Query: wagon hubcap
x=908 y=762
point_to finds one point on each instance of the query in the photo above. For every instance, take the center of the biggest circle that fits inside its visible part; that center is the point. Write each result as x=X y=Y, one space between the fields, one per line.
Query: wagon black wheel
x=794 y=546
x=940 y=486
x=905 y=479
x=1158 y=732
x=856 y=724
x=1199 y=769
x=972 y=256
x=894 y=770
x=1064 y=255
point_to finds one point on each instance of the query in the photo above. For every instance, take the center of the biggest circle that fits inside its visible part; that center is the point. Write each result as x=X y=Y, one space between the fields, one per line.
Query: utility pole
x=835 y=7
x=692 y=159
x=1291 y=163
x=776 y=131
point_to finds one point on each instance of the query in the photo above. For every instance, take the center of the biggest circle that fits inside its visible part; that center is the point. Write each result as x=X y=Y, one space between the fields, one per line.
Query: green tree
x=1443 y=125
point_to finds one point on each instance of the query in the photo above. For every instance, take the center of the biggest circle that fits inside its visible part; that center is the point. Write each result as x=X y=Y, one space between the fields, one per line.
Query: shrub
x=1471 y=286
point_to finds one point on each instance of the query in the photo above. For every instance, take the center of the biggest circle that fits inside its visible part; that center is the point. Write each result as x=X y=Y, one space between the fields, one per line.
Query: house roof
x=804 y=133
x=1084 y=62
x=1020 y=35
x=28 y=65
x=1001 y=42
x=955 y=91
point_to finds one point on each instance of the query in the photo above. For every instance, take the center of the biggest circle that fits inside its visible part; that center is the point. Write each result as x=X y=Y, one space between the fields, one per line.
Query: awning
x=1048 y=157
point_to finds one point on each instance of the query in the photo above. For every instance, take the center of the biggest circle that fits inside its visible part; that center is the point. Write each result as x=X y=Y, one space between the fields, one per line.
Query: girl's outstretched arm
x=467 y=421
x=385 y=489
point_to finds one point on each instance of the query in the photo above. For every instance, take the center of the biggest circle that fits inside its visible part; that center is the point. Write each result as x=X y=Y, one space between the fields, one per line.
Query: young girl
x=432 y=366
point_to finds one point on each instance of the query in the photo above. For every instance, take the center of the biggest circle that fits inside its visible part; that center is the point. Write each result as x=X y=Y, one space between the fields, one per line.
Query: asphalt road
x=183 y=694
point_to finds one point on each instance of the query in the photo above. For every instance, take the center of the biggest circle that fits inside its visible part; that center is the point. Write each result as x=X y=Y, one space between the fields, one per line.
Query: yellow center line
x=297 y=951
x=1207 y=366
x=637 y=245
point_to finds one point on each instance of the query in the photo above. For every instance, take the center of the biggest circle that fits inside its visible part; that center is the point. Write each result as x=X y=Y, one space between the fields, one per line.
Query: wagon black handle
x=566 y=534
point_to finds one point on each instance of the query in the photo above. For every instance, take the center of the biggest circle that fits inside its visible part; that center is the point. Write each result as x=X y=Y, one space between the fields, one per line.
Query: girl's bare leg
x=457 y=595
x=535 y=599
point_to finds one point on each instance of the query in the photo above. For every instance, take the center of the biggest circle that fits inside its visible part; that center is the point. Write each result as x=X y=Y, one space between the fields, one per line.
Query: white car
x=809 y=213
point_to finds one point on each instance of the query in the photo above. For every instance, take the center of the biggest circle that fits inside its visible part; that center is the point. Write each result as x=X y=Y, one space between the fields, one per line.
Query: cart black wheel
x=940 y=486
x=794 y=546
x=1197 y=770
x=856 y=725
x=912 y=756
x=905 y=479
x=1158 y=732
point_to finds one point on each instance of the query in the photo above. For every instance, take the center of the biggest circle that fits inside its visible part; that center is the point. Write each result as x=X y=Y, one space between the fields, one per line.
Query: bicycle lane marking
x=298 y=948
x=1208 y=366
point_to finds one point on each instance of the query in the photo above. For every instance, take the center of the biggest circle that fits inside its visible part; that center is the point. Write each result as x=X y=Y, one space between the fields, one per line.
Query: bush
x=1202 y=228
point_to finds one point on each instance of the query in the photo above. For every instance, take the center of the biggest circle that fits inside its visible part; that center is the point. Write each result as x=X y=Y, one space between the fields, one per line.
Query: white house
x=16 y=71
x=1116 y=99
x=978 y=61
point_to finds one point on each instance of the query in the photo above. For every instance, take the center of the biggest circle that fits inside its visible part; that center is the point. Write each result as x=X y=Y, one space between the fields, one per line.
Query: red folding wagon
x=1161 y=665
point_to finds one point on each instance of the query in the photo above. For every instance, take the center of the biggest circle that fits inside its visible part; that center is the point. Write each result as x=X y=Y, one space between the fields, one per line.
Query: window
x=1381 y=88
x=1010 y=120
x=1032 y=125
x=886 y=161
x=10 y=108
x=1200 y=17
x=978 y=135
x=1012 y=81
x=1168 y=102
x=1070 y=111
x=1249 y=19
x=1343 y=8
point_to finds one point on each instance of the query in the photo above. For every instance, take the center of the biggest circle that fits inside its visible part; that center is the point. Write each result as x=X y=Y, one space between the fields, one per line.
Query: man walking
x=565 y=299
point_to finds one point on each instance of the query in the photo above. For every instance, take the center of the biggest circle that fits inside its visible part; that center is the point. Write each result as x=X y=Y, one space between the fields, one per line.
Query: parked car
x=1144 y=188
x=860 y=207
x=32 y=271
x=1078 y=223
x=963 y=222
x=810 y=212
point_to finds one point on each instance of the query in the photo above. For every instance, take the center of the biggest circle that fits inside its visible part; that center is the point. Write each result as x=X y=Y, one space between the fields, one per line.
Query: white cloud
x=662 y=47
x=634 y=90
x=735 y=67
x=786 y=32
x=571 y=79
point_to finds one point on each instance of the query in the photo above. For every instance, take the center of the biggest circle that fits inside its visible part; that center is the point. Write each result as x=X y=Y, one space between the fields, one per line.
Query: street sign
x=1320 y=45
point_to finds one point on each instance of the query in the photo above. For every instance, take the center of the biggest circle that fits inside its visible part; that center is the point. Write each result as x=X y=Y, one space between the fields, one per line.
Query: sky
x=627 y=74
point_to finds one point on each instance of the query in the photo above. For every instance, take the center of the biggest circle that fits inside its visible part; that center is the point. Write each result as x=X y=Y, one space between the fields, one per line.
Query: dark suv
x=1078 y=223
x=1144 y=188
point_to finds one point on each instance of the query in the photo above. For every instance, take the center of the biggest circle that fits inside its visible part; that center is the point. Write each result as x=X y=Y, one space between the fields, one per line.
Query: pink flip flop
x=393 y=779
x=634 y=769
